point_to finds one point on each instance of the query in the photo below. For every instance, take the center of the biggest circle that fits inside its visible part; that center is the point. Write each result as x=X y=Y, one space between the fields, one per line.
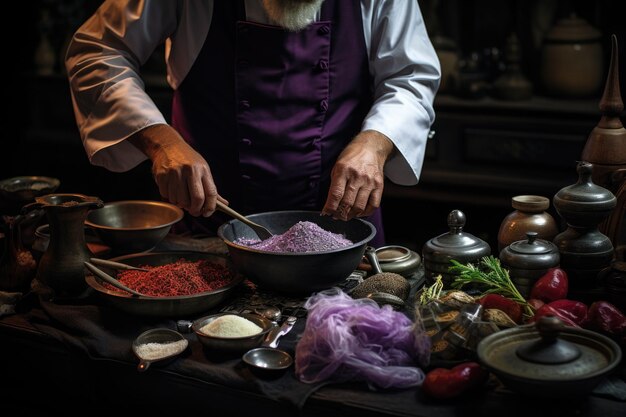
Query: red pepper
x=552 y=286
x=575 y=310
x=445 y=383
x=512 y=308
x=606 y=318
x=566 y=317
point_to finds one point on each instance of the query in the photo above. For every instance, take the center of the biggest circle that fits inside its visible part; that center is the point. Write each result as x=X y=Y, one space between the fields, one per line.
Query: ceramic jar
x=527 y=260
x=455 y=244
x=572 y=59
x=530 y=215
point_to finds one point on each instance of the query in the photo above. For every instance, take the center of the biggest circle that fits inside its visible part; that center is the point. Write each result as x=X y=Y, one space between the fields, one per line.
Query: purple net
x=347 y=339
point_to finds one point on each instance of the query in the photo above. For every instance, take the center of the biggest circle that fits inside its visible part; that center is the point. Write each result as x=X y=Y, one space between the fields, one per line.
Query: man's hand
x=357 y=179
x=183 y=176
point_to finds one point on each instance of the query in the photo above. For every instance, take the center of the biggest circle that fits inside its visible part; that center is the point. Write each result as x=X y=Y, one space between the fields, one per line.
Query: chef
x=278 y=104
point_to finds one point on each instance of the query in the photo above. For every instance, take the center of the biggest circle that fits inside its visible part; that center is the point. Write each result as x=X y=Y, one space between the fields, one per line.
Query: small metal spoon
x=108 y=278
x=262 y=232
x=271 y=313
x=267 y=356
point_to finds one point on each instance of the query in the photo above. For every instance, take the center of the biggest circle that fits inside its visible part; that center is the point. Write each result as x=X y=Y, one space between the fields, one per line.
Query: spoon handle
x=284 y=329
x=261 y=231
x=115 y=265
x=108 y=278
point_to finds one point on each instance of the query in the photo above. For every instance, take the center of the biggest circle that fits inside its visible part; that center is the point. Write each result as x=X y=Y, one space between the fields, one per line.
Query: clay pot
x=529 y=216
x=572 y=59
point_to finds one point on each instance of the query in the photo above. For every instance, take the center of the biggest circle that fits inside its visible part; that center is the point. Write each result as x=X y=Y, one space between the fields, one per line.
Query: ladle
x=116 y=265
x=161 y=336
x=267 y=356
x=261 y=231
x=108 y=278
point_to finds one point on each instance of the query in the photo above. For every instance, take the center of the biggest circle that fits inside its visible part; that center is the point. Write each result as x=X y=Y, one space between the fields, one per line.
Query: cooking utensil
x=271 y=313
x=262 y=232
x=232 y=344
x=549 y=359
x=176 y=306
x=283 y=330
x=267 y=356
x=116 y=265
x=108 y=278
x=301 y=273
x=160 y=336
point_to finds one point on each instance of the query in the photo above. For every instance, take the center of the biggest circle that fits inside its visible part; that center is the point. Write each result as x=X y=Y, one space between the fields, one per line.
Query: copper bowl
x=133 y=225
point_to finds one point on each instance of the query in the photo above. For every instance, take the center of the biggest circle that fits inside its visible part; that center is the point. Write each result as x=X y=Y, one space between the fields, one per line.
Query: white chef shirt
x=110 y=104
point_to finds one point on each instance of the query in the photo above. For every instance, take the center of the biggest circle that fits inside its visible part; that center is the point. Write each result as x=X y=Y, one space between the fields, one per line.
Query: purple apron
x=270 y=110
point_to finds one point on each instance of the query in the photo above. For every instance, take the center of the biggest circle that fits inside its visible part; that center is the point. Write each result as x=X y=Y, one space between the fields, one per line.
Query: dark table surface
x=75 y=358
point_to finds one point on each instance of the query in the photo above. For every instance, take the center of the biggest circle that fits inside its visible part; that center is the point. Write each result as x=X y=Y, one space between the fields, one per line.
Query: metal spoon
x=108 y=278
x=261 y=231
x=271 y=313
x=267 y=356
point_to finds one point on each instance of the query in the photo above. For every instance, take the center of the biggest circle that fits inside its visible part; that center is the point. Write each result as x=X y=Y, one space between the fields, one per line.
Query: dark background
x=40 y=136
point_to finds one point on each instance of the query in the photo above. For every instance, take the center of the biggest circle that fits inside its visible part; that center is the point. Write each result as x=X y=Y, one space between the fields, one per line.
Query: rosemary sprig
x=492 y=276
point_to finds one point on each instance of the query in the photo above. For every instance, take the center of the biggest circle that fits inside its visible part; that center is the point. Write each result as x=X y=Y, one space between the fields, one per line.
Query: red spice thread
x=179 y=278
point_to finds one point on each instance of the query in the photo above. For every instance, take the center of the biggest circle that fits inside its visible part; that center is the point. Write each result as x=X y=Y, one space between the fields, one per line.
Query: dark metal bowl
x=232 y=344
x=25 y=189
x=297 y=272
x=177 y=306
x=133 y=225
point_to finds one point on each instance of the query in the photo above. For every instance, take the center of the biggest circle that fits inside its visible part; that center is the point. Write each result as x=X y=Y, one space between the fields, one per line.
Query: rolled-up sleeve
x=406 y=75
x=103 y=62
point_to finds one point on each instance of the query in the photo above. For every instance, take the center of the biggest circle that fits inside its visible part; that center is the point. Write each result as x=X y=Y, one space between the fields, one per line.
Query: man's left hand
x=357 y=179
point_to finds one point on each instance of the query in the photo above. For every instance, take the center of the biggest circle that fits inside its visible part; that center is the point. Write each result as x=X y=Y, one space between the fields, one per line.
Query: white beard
x=293 y=15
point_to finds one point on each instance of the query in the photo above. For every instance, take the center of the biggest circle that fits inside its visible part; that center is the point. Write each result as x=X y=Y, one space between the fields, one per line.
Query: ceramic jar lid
x=456 y=243
x=584 y=203
x=573 y=29
x=532 y=253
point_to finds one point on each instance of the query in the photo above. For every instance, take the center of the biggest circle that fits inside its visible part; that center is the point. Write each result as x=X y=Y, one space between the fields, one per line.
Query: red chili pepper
x=445 y=383
x=575 y=310
x=552 y=286
x=546 y=310
x=500 y=302
x=606 y=318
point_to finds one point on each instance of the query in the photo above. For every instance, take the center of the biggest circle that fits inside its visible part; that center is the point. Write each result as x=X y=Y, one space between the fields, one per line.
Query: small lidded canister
x=528 y=260
x=456 y=244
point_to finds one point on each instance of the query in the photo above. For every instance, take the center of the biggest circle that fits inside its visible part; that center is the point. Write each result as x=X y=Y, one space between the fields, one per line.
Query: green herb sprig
x=431 y=293
x=492 y=276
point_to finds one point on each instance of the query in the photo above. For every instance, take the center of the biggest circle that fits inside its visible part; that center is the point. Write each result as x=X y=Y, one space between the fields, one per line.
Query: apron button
x=322 y=64
x=312 y=184
x=323 y=105
x=246 y=141
x=323 y=30
x=244 y=104
x=245 y=177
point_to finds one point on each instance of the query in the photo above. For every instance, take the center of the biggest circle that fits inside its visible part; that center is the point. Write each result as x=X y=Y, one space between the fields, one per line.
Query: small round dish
x=162 y=343
x=268 y=358
x=398 y=259
x=232 y=344
x=549 y=360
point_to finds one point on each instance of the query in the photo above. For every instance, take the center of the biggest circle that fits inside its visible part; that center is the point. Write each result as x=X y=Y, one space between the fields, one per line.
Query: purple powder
x=301 y=237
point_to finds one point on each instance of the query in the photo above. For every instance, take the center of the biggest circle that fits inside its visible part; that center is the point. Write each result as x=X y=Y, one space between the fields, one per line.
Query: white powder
x=230 y=325
x=153 y=351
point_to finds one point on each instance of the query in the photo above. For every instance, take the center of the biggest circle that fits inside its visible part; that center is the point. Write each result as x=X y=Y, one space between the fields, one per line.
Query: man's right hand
x=182 y=174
